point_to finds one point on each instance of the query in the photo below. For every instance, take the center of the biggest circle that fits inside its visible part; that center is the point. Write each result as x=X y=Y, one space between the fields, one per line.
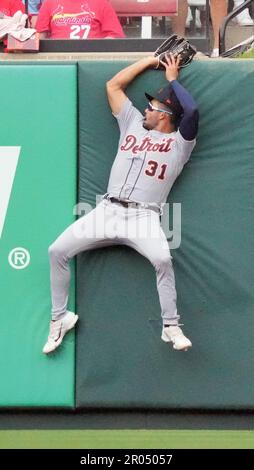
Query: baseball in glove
x=178 y=46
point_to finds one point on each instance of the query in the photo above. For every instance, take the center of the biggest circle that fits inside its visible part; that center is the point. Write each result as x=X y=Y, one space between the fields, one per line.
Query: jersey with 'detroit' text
x=147 y=162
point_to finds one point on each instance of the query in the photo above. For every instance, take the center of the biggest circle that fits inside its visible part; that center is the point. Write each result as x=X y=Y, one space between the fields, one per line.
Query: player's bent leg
x=171 y=332
x=59 y=279
x=156 y=250
x=58 y=330
x=84 y=234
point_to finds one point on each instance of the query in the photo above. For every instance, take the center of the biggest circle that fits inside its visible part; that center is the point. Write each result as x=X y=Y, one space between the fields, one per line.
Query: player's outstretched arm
x=116 y=86
x=189 y=122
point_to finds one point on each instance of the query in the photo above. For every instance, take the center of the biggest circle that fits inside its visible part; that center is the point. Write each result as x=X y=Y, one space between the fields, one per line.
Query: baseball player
x=151 y=154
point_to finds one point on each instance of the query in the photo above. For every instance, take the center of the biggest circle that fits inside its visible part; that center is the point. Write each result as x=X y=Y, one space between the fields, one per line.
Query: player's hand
x=171 y=64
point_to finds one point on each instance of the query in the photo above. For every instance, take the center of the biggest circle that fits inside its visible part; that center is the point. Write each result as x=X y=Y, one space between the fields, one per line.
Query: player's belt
x=124 y=203
x=135 y=205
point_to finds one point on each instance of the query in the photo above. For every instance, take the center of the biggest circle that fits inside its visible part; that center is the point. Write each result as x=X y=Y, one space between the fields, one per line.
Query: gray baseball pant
x=112 y=224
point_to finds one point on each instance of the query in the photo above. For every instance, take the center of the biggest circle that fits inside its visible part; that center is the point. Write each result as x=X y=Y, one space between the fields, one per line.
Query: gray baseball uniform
x=145 y=168
x=147 y=162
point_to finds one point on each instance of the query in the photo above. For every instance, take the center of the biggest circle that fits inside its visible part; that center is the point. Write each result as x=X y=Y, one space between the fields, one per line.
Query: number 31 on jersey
x=153 y=167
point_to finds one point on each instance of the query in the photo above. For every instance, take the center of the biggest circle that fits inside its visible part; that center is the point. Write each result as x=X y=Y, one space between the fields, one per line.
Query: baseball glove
x=176 y=45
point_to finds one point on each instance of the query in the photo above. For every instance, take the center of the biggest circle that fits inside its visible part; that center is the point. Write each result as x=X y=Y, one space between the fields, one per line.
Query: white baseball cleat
x=175 y=335
x=58 y=330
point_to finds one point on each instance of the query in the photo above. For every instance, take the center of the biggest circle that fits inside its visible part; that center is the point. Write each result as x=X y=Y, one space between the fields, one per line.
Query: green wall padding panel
x=121 y=361
x=38 y=106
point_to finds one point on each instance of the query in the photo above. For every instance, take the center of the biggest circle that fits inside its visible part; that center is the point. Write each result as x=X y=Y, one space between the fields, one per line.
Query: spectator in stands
x=33 y=10
x=34 y=6
x=9 y=7
x=243 y=19
x=218 y=9
x=179 y=21
x=76 y=19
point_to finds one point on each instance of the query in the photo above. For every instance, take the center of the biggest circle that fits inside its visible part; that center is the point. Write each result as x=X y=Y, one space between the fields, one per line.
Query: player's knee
x=55 y=251
x=162 y=261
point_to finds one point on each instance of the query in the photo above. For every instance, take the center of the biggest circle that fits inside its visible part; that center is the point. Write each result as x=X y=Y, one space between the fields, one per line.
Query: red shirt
x=9 y=7
x=78 y=19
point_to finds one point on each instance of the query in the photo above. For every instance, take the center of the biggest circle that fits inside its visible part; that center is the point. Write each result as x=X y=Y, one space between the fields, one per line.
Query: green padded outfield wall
x=121 y=361
x=38 y=139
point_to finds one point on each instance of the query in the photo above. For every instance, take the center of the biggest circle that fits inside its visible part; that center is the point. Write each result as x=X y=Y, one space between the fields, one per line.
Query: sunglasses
x=153 y=108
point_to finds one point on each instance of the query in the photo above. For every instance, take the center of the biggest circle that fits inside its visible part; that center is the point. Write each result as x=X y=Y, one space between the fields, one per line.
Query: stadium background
x=155 y=394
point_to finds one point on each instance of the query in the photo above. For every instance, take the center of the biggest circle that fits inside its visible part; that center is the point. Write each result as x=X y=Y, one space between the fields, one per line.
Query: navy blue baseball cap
x=167 y=96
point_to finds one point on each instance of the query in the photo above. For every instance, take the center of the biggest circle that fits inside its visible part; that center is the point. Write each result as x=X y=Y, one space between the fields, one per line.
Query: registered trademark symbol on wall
x=19 y=258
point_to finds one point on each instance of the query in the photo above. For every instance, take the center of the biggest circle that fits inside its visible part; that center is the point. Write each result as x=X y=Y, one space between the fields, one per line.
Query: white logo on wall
x=19 y=258
x=8 y=163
